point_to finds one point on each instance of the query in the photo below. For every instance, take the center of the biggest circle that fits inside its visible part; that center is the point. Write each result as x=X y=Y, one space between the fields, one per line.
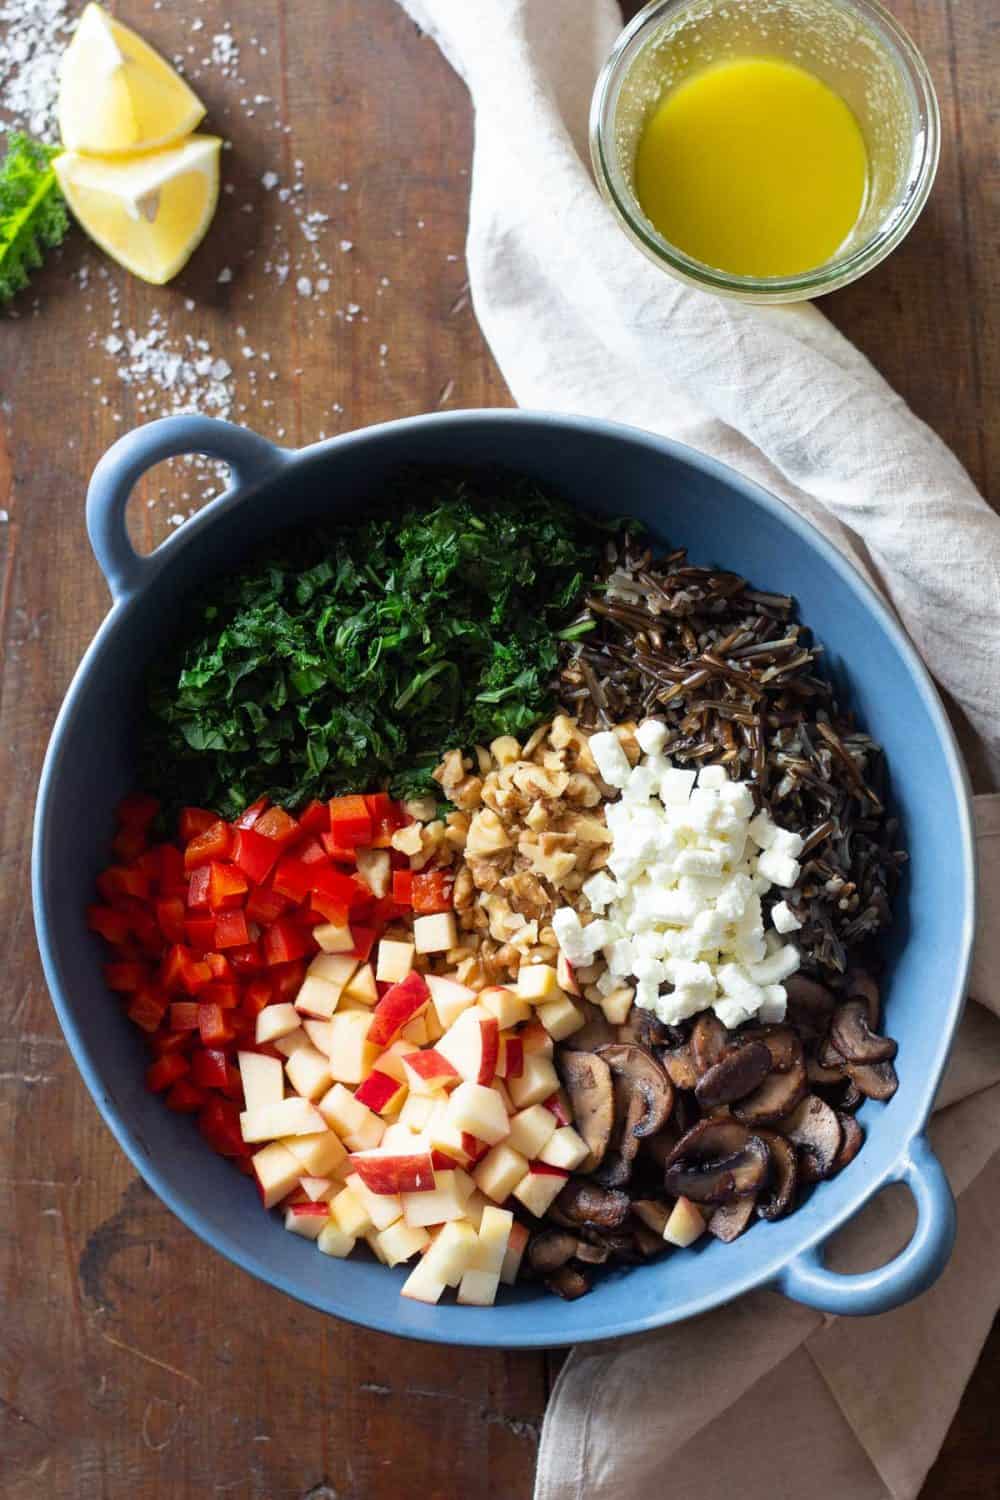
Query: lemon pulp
x=754 y=166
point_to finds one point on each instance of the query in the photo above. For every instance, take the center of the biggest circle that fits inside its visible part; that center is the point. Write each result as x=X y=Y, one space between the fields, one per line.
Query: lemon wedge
x=116 y=95
x=148 y=213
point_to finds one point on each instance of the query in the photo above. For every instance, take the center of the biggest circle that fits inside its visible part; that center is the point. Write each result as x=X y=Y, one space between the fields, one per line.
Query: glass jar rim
x=832 y=274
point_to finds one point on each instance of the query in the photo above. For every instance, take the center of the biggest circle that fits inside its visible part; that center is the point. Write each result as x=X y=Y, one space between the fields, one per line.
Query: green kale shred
x=354 y=655
x=33 y=215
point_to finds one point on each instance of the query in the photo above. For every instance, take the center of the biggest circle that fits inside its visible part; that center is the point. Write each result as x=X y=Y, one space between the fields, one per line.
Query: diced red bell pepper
x=364 y=941
x=194 y=821
x=125 y=977
x=219 y=1123
x=256 y=997
x=220 y=966
x=339 y=887
x=222 y=992
x=386 y=816
x=208 y=1068
x=183 y=970
x=246 y=960
x=184 y=1015
x=197 y=893
x=185 y=1098
x=293 y=879
x=121 y=880
x=342 y=854
x=165 y=1071
x=231 y=930
x=216 y=843
x=402 y=887
x=137 y=810
x=316 y=818
x=227 y=888
x=166 y=1041
x=170 y=918
x=432 y=891
x=113 y=926
x=286 y=980
x=350 y=821
x=149 y=864
x=129 y=843
x=254 y=854
x=285 y=941
x=311 y=852
x=213 y=1027
x=200 y=932
x=142 y=922
x=250 y=815
x=328 y=910
x=278 y=825
x=265 y=906
x=173 y=880
x=148 y=1008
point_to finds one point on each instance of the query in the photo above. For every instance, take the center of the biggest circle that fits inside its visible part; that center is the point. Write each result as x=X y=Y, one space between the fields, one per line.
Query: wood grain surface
x=133 y=1360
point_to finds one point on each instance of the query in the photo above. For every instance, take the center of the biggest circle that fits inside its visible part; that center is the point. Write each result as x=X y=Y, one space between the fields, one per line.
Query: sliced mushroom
x=591 y=1254
x=647 y=1242
x=815 y=1132
x=679 y=1065
x=853 y=1140
x=652 y=1213
x=708 y=1041
x=874 y=1080
x=728 y=1222
x=550 y=1249
x=587 y=1080
x=685 y=1112
x=810 y=1005
x=716 y=1161
x=738 y=1072
x=854 y=1039
x=583 y=1202
x=782 y=1179
x=777 y=1096
x=828 y=1057
x=640 y=1072
x=820 y=1073
x=656 y=1148
x=851 y=1097
x=861 y=986
x=642 y=1029
x=568 y=1283
x=630 y=1110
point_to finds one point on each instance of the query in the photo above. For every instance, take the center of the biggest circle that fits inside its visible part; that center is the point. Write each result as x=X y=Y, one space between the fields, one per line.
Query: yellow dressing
x=754 y=167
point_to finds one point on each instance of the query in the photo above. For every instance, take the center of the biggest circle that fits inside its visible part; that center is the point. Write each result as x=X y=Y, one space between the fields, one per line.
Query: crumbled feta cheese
x=762 y=831
x=713 y=777
x=599 y=890
x=782 y=916
x=676 y=786
x=776 y=966
x=778 y=868
x=652 y=736
x=774 y=1004
x=612 y=762
x=786 y=842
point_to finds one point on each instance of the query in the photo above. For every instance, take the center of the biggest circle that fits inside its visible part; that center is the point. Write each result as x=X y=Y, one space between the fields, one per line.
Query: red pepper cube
x=386 y=816
x=246 y=960
x=200 y=932
x=285 y=941
x=125 y=977
x=316 y=818
x=220 y=966
x=148 y=1008
x=208 y=1068
x=231 y=930
x=129 y=843
x=402 y=887
x=197 y=893
x=219 y=1123
x=342 y=854
x=337 y=886
x=184 y=1015
x=137 y=810
x=278 y=825
x=123 y=880
x=287 y=980
x=257 y=996
x=329 y=911
x=254 y=854
x=364 y=942
x=350 y=821
x=170 y=918
x=165 y=1071
x=215 y=843
x=311 y=852
x=432 y=891
x=113 y=926
x=251 y=815
x=194 y=821
x=293 y=879
x=173 y=880
x=265 y=906
x=225 y=993
x=185 y=1098
x=213 y=1026
x=227 y=887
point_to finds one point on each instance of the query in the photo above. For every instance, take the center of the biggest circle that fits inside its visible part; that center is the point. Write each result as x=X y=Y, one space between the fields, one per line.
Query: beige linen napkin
x=762 y=1397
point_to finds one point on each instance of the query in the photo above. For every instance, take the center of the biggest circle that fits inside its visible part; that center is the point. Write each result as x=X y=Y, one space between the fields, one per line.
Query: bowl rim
x=185 y=1208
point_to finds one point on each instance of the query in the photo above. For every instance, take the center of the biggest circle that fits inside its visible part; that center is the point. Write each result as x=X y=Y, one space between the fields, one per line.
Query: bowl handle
x=248 y=456
x=808 y=1280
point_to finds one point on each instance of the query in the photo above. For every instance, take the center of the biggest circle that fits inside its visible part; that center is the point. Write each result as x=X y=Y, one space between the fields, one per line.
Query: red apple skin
x=429 y=1063
x=566 y=976
x=310 y=1210
x=395 y=1174
x=513 y=1057
x=473 y=1147
x=542 y=1169
x=442 y=1162
x=489 y=1031
x=397 y=1008
x=556 y=1106
x=378 y=1091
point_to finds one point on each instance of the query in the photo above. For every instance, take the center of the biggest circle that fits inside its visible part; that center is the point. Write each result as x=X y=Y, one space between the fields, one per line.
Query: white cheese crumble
x=678 y=907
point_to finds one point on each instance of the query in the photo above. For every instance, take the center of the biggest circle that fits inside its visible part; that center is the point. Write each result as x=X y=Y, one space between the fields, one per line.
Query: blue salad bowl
x=722 y=519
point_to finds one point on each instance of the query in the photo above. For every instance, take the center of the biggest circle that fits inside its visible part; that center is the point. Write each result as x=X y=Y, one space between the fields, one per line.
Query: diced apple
x=333 y=1241
x=537 y=983
x=401 y=1241
x=475 y=1206
x=263 y=1081
x=565 y=977
x=394 y=961
x=276 y=1021
x=499 y=1087
x=684 y=1225
x=401 y=1138
x=375 y=869
x=500 y=1171
x=479 y=1111
x=290 y=1044
x=565 y=1148
x=361 y=987
x=319 y=1154
x=435 y=933
x=307 y=1219
x=448 y=1257
x=417 y=1110
x=381 y=1093
x=317 y=1189
x=334 y=937
x=352 y=1055
x=561 y=1018
x=290 y=1116
x=397 y=1008
x=382 y=1208
x=508 y=1008
x=371 y=1239
x=494 y=1235
x=357 y=1126
x=472 y=1046
x=510 y=1062
x=516 y=1246
x=387 y=1172
x=539 y=1188
x=445 y=1204
x=318 y=1033
x=448 y=1139
x=415 y=1032
x=421 y=1284
x=431 y=1024
x=391 y=1060
x=317 y=998
x=478 y=1288
x=534 y=1038
x=531 y=1130
x=277 y=1172
x=617 y=1005
x=536 y=1083
x=350 y=1214
x=558 y=1104
x=333 y=968
x=429 y=1072
x=450 y=998
x=309 y=1073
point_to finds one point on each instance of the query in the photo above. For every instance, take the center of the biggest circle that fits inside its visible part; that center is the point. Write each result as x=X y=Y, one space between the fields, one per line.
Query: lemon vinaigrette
x=754 y=167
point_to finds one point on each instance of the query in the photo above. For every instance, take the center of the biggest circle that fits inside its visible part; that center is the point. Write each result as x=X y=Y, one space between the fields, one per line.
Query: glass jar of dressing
x=770 y=150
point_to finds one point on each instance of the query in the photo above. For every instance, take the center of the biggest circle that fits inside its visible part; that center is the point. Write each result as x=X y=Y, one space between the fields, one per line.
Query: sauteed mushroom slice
x=728 y=1222
x=815 y=1132
x=851 y=1098
x=810 y=1005
x=716 y=1161
x=874 y=1080
x=589 y=1253
x=587 y=1080
x=853 y=1140
x=551 y=1248
x=738 y=1072
x=854 y=1039
x=679 y=1065
x=861 y=986
x=709 y=1039
x=644 y=1078
x=630 y=1110
x=568 y=1283
x=820 y=1074
x=777 y=1096
x=783 y=1177
x=587 y=1203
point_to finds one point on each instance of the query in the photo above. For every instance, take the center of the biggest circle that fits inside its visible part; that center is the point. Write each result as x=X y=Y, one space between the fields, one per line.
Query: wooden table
x=135 y=1361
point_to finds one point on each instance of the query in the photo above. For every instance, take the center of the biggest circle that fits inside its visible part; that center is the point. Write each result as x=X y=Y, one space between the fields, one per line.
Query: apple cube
x=451 y=1252
x=277 y=1172
x=333 y=968
x=500 y=1089
x=263 y=1080
x=317 y=998
x=429 y=1072
x=334 y=937
x=350 y=1214
x=318 y=1033
x=421 y=1284
x=371 y=1239
x=394 y=961
x=382 y=1208
x=387 y=1172
x=617 y=1005
x=508 y=1008
x=431 y=1024
x=539 y=1188
x=478 y=1288
x=401 y=1138
x=516 y=1246
x=333 y=1241
x=436 y=933
x=316 y=1189
x=287 y=1045
x=397 y=1008
x=354 y=1122
x=510 y=1062
x=565 y=1148
x=401 y=1241
x=558 y=1104
x=537 y=983
x=565 y=977
x=475 y=1206
x=416 y=1111
x=531 y=1130
x=449 y=997
x=472 y=1046
x=290 y=1116
x=415 y=1032
x=534 y=1038
x=381 y=1092
x=494 y=1235
x=307 y=1219
x=309 y=1073
x=445 y=1204
x=318 y=1154
x=352 y=1055
x=684 y=1225
x=391 y=1060
x=375 y=869
x=560 y=1018
x=536 y=1083
x=479 y=1111
x=361 y=987
x=500 y=1171
x=276 y=1021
